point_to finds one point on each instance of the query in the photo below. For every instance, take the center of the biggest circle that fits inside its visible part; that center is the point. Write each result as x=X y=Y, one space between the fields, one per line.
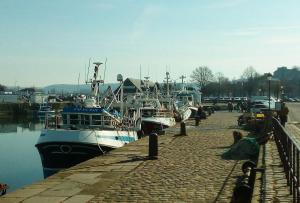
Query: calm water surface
x=20 y=162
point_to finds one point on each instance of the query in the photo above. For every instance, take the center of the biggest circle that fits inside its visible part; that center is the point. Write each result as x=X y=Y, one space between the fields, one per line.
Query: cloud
x=276 y=28
x=283 y=40
x=255 y=31
x=244 y=33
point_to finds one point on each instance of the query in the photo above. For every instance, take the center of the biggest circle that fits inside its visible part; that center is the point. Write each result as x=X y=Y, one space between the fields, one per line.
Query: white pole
x=121 y=99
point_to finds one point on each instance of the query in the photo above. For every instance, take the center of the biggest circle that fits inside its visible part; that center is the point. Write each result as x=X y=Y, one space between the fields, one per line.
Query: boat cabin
x=88 y=118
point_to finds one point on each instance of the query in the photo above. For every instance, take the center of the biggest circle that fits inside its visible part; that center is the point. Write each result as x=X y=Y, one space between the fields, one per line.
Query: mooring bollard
x=243 y=191
x=182 y=128
x=197 y=120
x=153 y=146
x=237 y=136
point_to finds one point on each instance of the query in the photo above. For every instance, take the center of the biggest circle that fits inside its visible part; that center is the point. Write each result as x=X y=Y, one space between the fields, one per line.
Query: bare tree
x=219 y=76
x=221 y=80
x=250 y=76
x=2 y=88
x=249 y=72
x=202 y=75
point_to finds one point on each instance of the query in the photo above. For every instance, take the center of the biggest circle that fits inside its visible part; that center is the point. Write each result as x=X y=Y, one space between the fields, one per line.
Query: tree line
x=284 y=81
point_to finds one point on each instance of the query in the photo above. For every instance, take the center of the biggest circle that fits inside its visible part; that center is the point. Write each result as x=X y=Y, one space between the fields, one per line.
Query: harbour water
x=19 y=159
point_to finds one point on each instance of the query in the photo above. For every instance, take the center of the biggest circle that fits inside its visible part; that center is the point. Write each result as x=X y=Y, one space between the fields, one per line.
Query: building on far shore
x=26 y=95
x=9 y=97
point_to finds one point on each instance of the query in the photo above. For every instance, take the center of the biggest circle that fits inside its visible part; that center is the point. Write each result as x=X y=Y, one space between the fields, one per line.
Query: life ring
x=66 y=149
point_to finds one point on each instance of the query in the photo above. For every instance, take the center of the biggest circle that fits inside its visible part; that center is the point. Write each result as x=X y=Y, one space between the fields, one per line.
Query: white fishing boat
x=45 y=110
x=84 y=131
x=191 y=99
x=183 y=111
x=154 y=116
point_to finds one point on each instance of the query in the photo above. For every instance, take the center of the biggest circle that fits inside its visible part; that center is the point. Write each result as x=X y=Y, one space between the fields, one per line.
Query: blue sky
x=48 y=42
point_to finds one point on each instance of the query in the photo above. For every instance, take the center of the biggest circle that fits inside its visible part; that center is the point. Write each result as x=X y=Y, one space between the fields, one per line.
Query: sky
x=50 y=42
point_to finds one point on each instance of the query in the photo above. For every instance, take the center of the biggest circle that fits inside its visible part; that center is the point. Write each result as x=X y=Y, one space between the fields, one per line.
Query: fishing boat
x=183 y=111
x=84 y=131
x=189 y=98
x=45 y=110
x=154 y=116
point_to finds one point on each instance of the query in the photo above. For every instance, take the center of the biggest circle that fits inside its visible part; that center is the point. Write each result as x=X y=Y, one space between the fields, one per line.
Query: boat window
x=106 y=120
x=74 y=119
x=85 y=119
x=96 y=120
x=148 y=113
x=64 y=118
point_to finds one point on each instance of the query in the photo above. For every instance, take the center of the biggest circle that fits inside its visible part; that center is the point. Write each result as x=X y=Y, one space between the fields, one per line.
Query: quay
x=188 y=169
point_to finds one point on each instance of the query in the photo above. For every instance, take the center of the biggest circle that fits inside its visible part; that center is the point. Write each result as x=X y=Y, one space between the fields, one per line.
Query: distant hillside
x=71 y=88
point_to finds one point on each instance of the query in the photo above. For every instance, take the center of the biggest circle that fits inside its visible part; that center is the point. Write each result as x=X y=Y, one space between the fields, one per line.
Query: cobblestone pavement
x=276 y=187
x=189 y=169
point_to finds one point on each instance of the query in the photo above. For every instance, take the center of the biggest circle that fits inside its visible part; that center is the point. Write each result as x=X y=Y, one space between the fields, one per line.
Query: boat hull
x=193 y=111
x=156 y=124
x=61 y=148
x=67 y=154
x=185 y=114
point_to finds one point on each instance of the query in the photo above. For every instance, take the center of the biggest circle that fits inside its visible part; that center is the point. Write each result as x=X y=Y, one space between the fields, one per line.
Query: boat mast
x=94 y=82
x=147 y=85
x=182 y=82
x=167 y=78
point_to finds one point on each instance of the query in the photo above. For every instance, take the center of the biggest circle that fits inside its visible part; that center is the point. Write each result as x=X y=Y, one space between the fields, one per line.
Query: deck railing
x=289 y=153
x=105 y=122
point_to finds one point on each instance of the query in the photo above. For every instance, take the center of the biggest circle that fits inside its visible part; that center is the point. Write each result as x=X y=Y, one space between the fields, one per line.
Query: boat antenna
x=104 y=70
x=78 y=84
x=182 y=80
x=87 y=75
x=140 y=77
x=84 y=72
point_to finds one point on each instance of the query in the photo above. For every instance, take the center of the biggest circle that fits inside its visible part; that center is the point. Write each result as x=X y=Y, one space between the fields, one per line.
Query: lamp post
x=282 y=93
x=242 y=89
x=269 y=77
